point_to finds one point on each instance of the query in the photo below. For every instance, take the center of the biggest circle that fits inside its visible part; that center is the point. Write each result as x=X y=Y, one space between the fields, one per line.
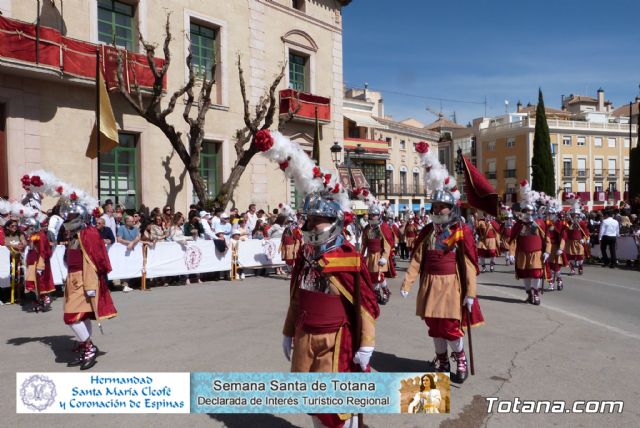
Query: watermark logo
x=38 y=392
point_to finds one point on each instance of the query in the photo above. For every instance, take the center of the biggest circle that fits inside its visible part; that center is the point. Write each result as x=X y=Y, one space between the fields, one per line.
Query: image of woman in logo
x=428 y=399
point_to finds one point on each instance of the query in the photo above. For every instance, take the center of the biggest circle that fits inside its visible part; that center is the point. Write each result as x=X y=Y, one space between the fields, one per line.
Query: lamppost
x=336 y=151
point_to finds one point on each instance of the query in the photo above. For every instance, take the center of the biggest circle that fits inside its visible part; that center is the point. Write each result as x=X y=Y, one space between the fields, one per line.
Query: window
x=581 y=141
x=403 y=182
x=582 y=186
x=567 y=187
x=598 y=167
x=116 y=23
x=582 y=168
x=597 y=142
x=598 y=186
x=611 y=142
x=566 y=140
x=612 y=186
x=389 y=178
x=209 y=167
x=403 y=145
x=353 y=131
x=298 y=72
x=627 y=142
x=203 y=49
x=566 y=168
x=119 y=172
x=626 y=167
x=612 y=168
x=491 y=146
x=510 y=172
x=491 y=170
x=388 y=139
x=298 y=5
x=416 y=182
x=511 y=142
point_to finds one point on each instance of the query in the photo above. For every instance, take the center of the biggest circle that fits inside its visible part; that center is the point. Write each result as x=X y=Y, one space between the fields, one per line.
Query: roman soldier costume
x=410 y=233
x=330 y=322
x=39 y=278
x=505 y=235
x=488 y=239
x=532 y=246
x=377 y=247
x=577 y=240
x=557 y=232
x=291 y=238
x=445 y=258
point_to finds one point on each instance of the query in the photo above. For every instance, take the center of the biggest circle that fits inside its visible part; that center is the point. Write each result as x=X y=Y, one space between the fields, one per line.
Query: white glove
x=582 y=241
x=90 y=293
x=382 y=261
x=545 y=257
x=363 y=356
x=559 y=252
x=404 y=293
x=469 y=303
x=512 y=259
x=287 y=343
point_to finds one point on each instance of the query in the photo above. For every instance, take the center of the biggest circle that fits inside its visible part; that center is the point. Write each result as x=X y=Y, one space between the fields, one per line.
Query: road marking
x=571 y=314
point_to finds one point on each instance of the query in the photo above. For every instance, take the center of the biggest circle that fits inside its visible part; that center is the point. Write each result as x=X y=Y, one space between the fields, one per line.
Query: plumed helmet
x=75 y=214
x=317 y=205
x=375 y=210
x=443 y=196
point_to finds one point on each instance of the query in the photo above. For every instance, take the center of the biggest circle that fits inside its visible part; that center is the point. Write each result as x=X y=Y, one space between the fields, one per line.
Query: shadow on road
x=500 y=299
x=383 y=362
x=259 y=420
x=60 y=345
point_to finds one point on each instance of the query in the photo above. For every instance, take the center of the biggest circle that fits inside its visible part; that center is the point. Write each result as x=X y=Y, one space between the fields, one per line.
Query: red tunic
x=41 y=248
x=389 y=236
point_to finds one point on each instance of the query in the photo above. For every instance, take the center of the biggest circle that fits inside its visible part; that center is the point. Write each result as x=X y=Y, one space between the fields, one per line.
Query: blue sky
x=466 y=50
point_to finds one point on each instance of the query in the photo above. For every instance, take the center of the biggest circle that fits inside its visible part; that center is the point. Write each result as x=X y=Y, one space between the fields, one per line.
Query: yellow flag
x=108 y=127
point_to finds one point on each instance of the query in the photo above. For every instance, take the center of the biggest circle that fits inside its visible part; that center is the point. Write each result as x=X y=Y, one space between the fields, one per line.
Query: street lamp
x=336 y=151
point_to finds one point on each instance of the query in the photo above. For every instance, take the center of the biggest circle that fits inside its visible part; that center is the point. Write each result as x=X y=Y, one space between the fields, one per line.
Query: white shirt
x=609 y=227
x=55 y=223
x=208 y=233
x=252 y=220
x=110 y=221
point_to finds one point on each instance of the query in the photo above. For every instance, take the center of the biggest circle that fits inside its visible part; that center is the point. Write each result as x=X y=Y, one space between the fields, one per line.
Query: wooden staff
x=462 y=269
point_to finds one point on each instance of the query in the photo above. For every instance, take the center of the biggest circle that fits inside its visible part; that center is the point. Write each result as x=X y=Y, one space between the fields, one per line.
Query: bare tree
x=149 y=107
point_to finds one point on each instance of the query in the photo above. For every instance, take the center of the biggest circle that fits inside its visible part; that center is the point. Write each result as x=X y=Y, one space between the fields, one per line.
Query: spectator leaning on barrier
x=105 y=232
x=13 y=237
x=252 y=217
x=193 y=227
x=128 y=235
x=224 y=227
x=205 y=219
x=156 y=231
x=108 y=217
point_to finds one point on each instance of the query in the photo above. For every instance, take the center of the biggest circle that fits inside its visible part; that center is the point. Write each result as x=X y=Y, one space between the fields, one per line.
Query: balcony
x=305 y=104
x=62 y=57
x=598 y=173
x=581 y=174
x=584 y=197
x=612 y=173
x=567 y=172
x=613 y=196
x=599 y=196
x=491 y=175
x=509 y=173
x=405 y=190
x=371 y=146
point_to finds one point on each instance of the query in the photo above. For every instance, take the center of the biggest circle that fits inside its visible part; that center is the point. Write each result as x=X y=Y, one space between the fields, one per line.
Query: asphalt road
x=582 y=343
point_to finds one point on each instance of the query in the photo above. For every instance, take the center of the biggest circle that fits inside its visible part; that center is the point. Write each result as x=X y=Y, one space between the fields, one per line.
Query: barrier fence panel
x=5 y=268
x=256 y=253
x=171 y=258
x=626 y=249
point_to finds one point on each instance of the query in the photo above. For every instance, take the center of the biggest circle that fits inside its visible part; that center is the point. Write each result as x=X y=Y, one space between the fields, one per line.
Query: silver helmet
x=375 y=210
x=76 y=216
x=527 y=216
x=444 y=197
x=316 y=205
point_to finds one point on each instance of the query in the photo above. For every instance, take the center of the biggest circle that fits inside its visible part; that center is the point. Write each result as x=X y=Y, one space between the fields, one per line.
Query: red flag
x=480 y=193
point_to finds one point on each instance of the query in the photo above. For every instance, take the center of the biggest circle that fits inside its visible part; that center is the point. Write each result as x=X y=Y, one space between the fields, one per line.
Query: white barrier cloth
x=102 y=392
x=5 y=267
x=626 y=249
x=171 y=258
x=259 y=253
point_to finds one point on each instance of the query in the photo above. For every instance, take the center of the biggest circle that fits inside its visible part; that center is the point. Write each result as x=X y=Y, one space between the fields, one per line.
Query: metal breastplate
x=313 y=279
x=74 y=244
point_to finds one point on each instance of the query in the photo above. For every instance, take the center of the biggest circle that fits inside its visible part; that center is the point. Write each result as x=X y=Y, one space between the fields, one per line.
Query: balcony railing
x=306 y=105
x=567 y=172
x=612 y=173
x=582 y=173
x=613 y=196
x=599 y=196
x=70 y=58
x=555 y=124
x=399 y=189
x=509 y=173
x=598 y=173
x=491 y=175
